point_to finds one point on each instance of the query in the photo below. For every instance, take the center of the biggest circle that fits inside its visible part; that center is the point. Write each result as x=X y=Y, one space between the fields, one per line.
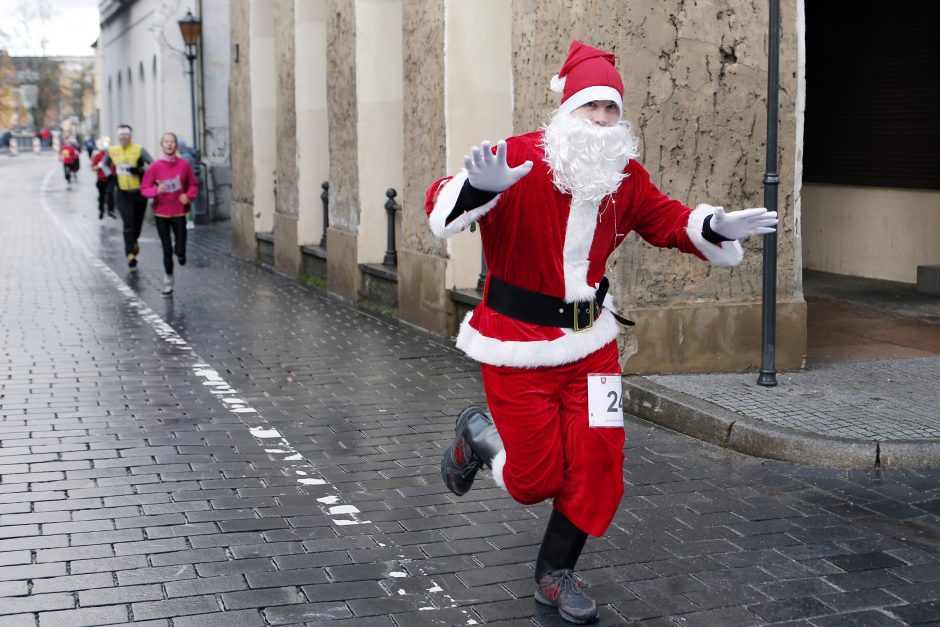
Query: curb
x=716 y=425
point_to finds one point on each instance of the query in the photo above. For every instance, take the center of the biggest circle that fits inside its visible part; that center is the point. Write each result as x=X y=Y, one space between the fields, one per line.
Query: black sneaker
x=559 y=589
x=182 y=260
x=460 y=464
x=131 y=260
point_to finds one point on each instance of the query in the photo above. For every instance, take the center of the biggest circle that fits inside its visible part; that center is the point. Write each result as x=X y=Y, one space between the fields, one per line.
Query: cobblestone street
x=250 y=452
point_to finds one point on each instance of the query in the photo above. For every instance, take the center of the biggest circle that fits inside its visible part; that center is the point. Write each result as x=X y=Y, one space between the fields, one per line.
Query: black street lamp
x=191 y=27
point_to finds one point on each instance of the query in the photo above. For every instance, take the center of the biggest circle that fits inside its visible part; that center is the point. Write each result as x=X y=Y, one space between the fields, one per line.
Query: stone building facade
x=374 y=94
x=144 y=80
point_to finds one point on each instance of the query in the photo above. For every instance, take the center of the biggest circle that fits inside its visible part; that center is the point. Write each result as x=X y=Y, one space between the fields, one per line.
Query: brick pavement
x=131 y=489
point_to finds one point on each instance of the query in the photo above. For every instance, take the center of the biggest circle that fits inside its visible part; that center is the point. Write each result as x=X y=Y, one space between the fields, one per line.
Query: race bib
x=123 y=169
x=605 y=400
x=171 y=185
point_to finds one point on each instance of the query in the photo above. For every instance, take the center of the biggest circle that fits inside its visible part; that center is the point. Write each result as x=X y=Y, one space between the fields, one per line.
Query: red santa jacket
x=538 y=238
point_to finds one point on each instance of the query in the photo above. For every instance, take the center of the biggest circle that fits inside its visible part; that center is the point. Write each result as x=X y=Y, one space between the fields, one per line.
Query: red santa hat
x=587 y=74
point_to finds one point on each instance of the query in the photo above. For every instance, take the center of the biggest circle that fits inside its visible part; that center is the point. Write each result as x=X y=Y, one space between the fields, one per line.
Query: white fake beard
x=587 y=160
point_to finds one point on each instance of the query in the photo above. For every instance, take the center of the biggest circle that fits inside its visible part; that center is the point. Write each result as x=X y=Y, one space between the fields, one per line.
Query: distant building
x=52 y=91
x=145 y=80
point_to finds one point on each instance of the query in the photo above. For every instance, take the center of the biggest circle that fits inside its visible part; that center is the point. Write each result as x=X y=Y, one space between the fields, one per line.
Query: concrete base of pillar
x=287 y=257
x=342 y=265
x=710 y=337
x=422 y=299
x=243 y=230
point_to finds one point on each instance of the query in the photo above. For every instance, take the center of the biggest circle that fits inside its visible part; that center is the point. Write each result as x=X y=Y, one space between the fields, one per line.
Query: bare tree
x=34 y=17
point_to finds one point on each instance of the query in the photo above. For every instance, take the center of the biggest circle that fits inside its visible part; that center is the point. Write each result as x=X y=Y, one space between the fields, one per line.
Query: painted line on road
x=268 y=437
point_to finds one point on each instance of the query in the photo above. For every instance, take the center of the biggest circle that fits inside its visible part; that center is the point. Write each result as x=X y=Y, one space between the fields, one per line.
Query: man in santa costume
x=552 y=206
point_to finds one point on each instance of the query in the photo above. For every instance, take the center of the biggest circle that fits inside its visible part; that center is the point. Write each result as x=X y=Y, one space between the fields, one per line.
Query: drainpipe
x=768 y=368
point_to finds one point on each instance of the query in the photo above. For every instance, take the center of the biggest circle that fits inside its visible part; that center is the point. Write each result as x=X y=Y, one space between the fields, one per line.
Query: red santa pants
x=551 y=452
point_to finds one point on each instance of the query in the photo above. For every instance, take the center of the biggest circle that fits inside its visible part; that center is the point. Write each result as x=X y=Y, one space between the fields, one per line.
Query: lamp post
x=768 y=365
x=191 y=27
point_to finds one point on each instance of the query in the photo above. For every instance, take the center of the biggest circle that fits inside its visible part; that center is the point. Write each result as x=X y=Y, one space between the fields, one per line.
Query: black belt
x=544 y=310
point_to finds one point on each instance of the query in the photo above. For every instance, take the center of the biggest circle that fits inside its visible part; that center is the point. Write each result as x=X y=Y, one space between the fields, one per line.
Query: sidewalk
x=869 y=396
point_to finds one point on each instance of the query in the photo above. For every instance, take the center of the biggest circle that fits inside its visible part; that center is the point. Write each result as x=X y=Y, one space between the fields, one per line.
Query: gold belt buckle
x=591 y=314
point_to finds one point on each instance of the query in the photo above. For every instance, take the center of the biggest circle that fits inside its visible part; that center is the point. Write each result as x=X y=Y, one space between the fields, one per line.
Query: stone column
x=287 y=257
x=243 y=223
x=422 y=258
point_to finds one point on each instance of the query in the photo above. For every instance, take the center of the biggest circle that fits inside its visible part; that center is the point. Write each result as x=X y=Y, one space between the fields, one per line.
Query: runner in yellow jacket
x=128 y=161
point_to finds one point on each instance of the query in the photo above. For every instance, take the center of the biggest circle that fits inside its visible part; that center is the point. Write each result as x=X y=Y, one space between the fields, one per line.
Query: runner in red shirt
x=68 y=155
x=105 y=183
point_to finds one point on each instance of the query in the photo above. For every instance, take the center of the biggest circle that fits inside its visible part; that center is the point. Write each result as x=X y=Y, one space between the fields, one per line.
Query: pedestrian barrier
x=14 y=147
x=325 y=197
x=391 y=207
x=37 y=147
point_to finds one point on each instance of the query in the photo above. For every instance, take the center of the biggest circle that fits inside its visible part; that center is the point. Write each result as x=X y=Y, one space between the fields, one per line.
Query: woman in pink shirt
x=170 y=182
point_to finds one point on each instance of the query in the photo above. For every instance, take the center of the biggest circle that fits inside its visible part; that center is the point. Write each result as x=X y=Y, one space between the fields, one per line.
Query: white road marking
x=222 y=389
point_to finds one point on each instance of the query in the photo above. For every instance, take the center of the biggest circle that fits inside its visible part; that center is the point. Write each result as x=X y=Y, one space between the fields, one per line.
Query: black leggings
x=133 y=207
x=177 y=226
x=105 y=195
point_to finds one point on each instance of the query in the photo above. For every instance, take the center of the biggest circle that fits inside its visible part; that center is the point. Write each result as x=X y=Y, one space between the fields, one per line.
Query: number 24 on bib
x=605 y=400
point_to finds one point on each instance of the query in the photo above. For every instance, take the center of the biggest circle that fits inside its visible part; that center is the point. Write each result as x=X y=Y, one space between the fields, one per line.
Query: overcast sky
x=70 y=31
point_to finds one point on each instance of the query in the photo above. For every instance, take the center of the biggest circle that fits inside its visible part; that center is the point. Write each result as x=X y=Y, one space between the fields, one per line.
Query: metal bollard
x=36 y=146
x=325 y=197
x=481 y=280
x=14 y=146
x=391 y=255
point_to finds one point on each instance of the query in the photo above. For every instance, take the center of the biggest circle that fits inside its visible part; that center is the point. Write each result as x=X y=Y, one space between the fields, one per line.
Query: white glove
x=744 y=223
x=490 y=173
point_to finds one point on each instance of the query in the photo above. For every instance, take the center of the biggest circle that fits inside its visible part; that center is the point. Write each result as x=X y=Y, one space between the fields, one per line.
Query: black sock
x=561 y=545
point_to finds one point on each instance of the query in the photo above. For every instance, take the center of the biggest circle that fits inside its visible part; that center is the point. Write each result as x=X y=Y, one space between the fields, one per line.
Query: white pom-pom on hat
x=557 y=84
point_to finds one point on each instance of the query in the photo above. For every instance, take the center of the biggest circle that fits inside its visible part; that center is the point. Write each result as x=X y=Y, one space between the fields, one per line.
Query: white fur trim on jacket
x=563 y=350
x=723 y=254
x=579 y=235
x=498 y=463
x=446 y=200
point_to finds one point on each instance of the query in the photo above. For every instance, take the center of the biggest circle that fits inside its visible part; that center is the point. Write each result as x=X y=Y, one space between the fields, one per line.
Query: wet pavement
x=251 y=452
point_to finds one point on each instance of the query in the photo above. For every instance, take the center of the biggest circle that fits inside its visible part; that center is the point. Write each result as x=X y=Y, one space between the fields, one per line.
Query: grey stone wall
x=342 y=105
x=286 y=115
x=240 y=105
x=242 y=172
x=695 y=88
x=424 y=118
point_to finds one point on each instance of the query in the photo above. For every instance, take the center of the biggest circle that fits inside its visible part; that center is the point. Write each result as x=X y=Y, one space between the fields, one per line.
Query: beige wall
x=263 y=107
x=870 y=232
x=312 y=140
x=379 y=96
x=479 y=103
